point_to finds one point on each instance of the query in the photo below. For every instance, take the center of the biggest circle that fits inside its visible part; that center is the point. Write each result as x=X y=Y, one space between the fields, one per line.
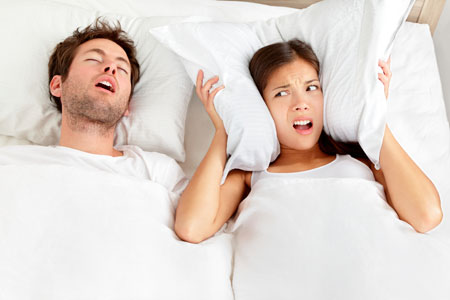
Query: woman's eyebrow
x=282 y=87
x=288 y=85
x=312 y=80
x=101 y=52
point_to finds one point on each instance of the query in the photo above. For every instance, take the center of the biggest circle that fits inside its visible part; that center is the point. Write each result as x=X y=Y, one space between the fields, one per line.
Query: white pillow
x=32 y=30
x=348 y=36
x=416 y=110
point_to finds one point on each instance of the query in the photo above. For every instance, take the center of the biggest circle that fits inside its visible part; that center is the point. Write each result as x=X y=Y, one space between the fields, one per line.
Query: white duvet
x=332 y=239
x=71 y=233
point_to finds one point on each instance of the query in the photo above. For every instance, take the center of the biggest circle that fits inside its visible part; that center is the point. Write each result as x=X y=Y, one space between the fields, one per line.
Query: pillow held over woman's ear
x=348 y=36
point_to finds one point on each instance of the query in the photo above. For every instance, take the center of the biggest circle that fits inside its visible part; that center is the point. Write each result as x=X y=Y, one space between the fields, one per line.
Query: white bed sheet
x=67 y=232
x=332 y=238
x=415 y=96
x=50 y=254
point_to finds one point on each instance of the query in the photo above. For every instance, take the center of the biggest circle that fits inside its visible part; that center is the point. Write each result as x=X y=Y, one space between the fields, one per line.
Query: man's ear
x=127 y=112
x=55 y=86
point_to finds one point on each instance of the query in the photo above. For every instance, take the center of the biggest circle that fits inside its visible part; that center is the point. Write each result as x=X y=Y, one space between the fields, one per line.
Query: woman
x=287 y=76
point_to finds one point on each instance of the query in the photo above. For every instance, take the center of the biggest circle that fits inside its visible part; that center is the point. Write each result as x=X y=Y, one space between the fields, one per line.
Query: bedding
x=349 y=40
x=111 y=236
x=415 y=94
x=73 y=225
x=157 y=110
x=331 y=238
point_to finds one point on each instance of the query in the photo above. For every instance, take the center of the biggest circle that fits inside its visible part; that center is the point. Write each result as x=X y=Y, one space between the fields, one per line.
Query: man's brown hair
x=65 y=51
x=270 y=58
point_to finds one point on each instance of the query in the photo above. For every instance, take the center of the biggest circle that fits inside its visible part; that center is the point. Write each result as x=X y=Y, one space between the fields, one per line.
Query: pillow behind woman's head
x=348 y=36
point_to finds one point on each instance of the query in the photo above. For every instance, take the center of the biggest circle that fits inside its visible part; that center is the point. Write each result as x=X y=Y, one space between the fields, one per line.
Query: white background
x=441 y=40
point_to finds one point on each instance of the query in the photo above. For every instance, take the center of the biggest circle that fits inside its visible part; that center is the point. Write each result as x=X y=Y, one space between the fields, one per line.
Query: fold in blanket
x=332 y=239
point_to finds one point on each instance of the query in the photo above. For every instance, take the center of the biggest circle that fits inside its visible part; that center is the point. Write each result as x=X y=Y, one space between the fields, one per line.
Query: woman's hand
x=386 y=76
x=207 y=95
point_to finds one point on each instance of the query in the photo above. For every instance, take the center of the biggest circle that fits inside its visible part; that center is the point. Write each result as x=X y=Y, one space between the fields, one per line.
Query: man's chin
x=99 y=112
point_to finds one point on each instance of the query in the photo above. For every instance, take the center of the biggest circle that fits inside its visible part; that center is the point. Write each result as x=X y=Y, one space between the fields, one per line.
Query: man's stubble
x=85 y=112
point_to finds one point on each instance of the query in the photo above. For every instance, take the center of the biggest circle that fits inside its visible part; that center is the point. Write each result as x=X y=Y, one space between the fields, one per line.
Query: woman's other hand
x=386 y=76
x=207 y=95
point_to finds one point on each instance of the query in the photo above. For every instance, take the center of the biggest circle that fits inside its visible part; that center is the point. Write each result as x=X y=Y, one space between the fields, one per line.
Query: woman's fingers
x=208 y=85
x=383 y=78
x=204 y=90
x=385 y=66
x=386 y=76
x=206 y=93
x=213 y=94
x=199 y=83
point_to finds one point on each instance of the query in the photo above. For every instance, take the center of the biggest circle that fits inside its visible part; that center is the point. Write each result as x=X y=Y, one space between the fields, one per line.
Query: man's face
x=98 y=86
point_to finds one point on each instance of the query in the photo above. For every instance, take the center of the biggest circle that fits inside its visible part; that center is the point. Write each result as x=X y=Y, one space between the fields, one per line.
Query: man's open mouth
x=105 y=85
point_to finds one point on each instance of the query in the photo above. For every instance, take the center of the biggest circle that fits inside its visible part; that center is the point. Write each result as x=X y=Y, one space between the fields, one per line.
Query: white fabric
x=343 y=166
x=75 y=225
x=416 y=94
x=135 y=163
x=225 y=11
x=349 y=39
x=332 y=239
x=159 y=104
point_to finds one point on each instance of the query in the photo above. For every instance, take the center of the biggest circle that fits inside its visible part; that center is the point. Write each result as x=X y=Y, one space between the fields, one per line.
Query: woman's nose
x=300 y=104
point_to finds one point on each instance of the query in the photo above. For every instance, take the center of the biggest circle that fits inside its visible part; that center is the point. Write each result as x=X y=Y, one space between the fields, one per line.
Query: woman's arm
x=409 y=191
x=205 y=205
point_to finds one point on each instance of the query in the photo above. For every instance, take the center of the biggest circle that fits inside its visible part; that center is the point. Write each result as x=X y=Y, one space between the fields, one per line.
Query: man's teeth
x=106 y=83
x=303 y=122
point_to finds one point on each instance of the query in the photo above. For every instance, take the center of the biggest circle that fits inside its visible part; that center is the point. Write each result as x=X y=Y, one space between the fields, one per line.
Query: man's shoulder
x=28 y=154
x=23 y=149
x=160 y=167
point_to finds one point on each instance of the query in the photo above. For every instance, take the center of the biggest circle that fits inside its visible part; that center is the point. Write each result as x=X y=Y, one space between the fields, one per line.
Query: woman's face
x=295 y=100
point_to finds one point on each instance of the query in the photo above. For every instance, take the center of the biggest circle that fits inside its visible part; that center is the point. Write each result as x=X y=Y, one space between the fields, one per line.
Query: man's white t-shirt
x=135 y=162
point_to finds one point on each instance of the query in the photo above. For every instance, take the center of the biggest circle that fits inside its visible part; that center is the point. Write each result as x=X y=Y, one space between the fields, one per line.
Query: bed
x=124 y=247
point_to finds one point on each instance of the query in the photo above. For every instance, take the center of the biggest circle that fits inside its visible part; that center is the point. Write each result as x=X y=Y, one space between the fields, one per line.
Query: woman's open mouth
x=303 y=127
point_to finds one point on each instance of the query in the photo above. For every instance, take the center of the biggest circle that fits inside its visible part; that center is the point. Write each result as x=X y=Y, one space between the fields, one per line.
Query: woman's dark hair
x=65 y=51
x=270 y=58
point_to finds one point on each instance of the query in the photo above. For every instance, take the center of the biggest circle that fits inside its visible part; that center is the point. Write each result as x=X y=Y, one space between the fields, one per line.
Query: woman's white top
x=343 y=166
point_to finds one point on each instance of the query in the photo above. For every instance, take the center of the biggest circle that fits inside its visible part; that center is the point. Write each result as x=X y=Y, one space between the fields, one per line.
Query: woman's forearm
x=199 y=203
x=412 y=194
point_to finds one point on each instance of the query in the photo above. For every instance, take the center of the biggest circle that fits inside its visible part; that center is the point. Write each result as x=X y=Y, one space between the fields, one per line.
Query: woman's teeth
x=303 y=122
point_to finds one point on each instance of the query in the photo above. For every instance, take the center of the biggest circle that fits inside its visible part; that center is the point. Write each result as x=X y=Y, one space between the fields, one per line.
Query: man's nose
x=112 y=69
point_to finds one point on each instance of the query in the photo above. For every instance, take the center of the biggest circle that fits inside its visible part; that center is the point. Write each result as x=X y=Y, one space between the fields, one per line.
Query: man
x=86 y=218
x=92 y=74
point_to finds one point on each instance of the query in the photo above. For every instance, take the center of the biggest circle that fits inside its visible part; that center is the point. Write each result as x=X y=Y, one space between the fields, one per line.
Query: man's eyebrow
x=101 y=52
x=288 y=85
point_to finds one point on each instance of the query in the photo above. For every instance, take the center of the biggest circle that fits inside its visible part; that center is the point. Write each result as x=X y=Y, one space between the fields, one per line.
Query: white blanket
x=74 y=233
x=332 y=239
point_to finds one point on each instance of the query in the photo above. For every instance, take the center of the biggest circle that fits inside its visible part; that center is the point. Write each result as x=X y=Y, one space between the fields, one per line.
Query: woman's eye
x=93 y=59
x=312 y=88
x=282 y=93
